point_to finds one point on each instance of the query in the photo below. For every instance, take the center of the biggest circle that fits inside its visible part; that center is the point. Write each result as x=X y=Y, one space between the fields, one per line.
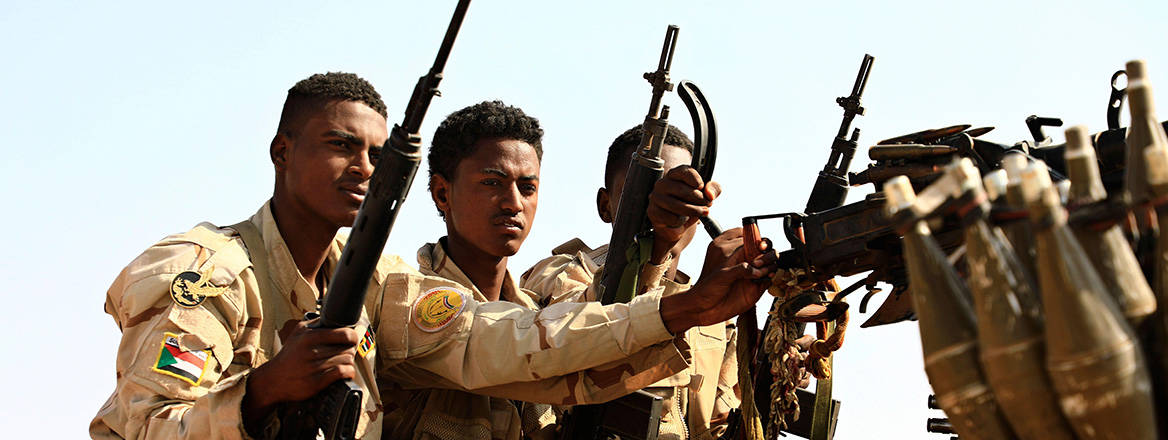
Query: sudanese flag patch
x=186 y=365
x=437 y=308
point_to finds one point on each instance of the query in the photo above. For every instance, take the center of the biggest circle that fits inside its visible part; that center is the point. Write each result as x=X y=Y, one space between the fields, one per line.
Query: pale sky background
x=127 y=122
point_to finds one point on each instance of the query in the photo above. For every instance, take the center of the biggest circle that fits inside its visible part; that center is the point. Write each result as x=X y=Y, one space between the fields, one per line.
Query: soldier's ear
x=440 y=193
x=278 y=151
x=602 y=205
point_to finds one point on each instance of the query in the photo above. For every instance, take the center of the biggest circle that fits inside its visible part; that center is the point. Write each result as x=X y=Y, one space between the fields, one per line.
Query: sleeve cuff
x=652 y=274
x=645 y=318
x=232 y=390
x=673 y=287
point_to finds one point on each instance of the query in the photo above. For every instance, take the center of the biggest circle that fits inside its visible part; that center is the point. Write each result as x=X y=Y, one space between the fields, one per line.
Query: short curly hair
x=312 y=93
x=621 y=150
x=456 y=136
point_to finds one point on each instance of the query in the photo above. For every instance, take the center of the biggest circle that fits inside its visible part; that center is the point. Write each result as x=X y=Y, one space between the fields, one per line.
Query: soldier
x=212 y=337
x=697 y=400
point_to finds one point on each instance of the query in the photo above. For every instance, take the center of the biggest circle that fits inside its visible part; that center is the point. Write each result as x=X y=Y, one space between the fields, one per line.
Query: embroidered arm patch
x=189 y=366
x=367 y=343
x=189 y=289
x=437 y=308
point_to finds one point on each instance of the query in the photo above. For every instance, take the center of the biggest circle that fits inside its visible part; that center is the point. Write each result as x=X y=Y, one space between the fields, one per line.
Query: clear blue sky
x=130 y=121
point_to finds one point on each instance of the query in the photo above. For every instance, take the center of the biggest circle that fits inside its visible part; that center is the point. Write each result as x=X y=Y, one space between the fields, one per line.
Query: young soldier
x=484 y=179
x=212 y=336
x=697 y=400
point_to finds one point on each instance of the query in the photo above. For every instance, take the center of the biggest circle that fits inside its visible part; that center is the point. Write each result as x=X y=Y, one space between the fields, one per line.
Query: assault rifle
x=333 y=413
x=630 y=226
x=645 y=170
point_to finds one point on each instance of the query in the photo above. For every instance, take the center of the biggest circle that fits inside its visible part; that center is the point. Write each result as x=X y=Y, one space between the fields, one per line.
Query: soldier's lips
x=355 y=193
x=509 y=226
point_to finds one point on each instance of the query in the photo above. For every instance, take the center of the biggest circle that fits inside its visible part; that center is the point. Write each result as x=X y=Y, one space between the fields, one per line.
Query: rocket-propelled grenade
x=1109 y=251
x=1092 y=357
x=947 y=328
x=1009 y=317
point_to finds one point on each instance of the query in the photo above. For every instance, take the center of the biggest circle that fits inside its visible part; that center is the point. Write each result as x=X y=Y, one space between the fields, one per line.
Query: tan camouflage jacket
x=704 y=393
x=425 y=412
x=194 y=323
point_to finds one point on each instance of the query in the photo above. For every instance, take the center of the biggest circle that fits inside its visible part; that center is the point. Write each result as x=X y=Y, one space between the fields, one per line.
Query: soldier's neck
x=308 y=237
x=487 y=272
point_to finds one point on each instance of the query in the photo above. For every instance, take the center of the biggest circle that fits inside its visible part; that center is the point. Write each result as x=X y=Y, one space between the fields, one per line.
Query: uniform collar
x=286 y=278
x=432 y=260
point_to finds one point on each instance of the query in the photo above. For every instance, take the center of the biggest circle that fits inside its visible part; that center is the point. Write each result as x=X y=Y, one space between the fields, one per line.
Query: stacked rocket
x=1054 y=331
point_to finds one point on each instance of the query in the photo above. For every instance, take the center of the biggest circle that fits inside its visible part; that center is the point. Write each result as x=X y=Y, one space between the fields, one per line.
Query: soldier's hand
x=675 y=205
x=727 y=287
x=309 y=361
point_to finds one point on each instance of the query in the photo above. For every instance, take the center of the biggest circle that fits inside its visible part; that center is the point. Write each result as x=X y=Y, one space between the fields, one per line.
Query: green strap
x=821 y=415
x=637 y=255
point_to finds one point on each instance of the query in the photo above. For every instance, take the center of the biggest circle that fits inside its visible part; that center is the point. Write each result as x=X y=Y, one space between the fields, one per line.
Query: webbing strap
x=258 y=252
x=821 y=414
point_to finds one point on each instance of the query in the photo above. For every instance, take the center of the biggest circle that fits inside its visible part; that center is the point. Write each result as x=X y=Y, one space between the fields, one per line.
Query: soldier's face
x=490 y=202
x=326 y=166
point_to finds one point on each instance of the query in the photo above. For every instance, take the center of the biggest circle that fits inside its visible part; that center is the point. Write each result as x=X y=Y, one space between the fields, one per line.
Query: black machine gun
x=333 y=413
x=832 y=239
x=830 y=191
x=856 y=238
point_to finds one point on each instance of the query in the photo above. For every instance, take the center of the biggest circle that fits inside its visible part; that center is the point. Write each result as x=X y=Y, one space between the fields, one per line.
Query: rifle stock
x=334 y=412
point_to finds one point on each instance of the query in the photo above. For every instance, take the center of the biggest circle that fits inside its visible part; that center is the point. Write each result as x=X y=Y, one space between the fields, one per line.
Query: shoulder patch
x=189 y=288
x=186 y=365
x=437 y=308
x=368 y=342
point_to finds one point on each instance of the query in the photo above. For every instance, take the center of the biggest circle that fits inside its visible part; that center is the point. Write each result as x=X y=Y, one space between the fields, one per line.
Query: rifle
x=333 y=413
x=629 y=227
x=645 y=169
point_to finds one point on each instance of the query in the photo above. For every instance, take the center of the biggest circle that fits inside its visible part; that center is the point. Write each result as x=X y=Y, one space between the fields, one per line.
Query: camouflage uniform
x=697 y=400
x=195 y=322
x=500 y=417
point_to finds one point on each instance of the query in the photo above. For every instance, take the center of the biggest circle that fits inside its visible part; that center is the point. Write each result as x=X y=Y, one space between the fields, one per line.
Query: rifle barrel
x=427 y=87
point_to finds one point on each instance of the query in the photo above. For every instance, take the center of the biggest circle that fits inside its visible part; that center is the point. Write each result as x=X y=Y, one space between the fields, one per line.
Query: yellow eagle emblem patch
x=189 y=289
x=437 y=308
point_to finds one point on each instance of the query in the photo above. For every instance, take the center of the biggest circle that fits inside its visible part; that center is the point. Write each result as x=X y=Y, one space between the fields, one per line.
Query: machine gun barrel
x=831 y=187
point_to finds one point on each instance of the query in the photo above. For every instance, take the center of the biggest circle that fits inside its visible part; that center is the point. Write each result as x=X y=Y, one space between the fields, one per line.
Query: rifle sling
x=253 y=243
x=821 y=414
